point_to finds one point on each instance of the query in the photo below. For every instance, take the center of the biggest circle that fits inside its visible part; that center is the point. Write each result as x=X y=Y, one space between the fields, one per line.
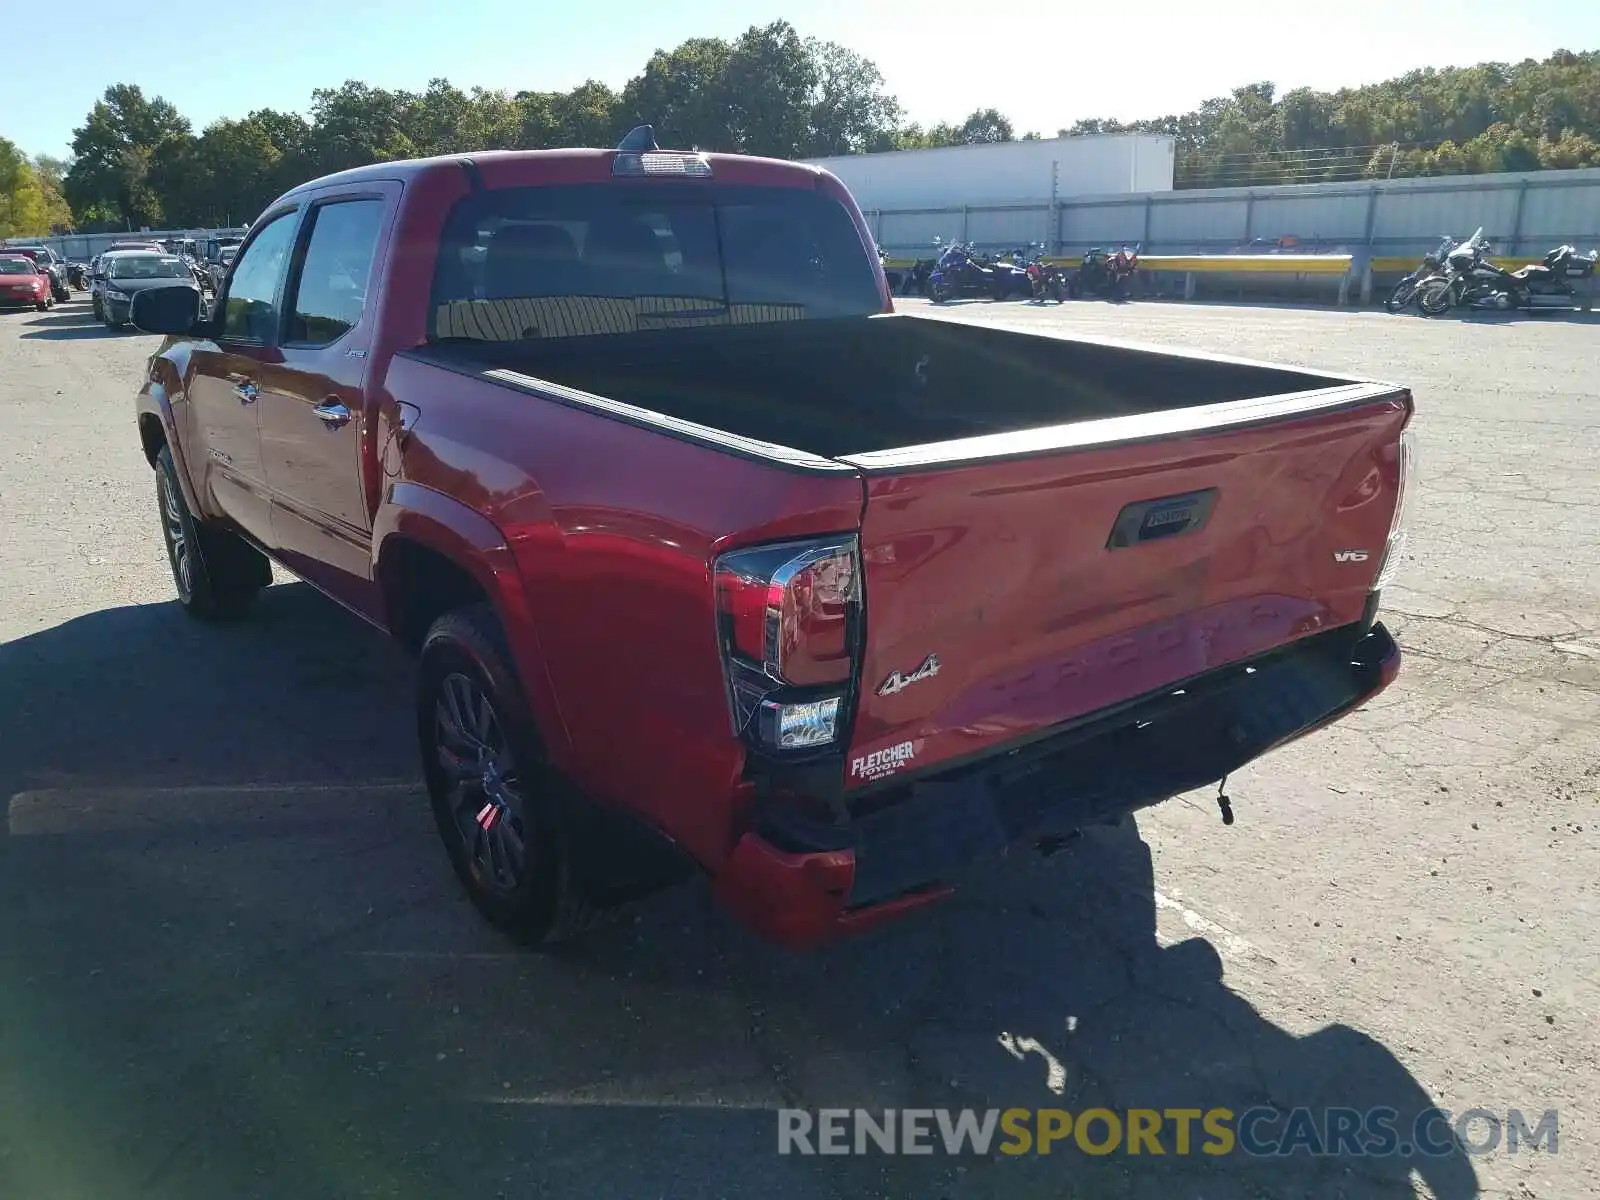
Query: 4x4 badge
x=899 y=683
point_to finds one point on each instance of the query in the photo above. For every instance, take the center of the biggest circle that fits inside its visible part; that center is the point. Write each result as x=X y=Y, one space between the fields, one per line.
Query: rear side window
x=545 y=262
x=251 y=313
x=331 y=293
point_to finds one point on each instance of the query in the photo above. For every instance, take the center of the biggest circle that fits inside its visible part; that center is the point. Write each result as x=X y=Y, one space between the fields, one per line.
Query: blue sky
x=1032 y=59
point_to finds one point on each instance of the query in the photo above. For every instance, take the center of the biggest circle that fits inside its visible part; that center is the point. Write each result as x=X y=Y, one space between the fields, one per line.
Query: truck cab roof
x=509 y=168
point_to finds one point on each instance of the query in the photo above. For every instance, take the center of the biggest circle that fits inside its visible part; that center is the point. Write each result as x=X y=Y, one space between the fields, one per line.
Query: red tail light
x=789 y=619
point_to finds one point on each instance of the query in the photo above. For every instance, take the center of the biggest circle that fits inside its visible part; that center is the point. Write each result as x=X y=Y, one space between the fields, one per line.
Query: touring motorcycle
x=1470 y=280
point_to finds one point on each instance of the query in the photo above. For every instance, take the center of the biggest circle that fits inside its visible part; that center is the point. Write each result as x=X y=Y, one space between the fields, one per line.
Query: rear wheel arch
x=420 y=584
x=427 y=564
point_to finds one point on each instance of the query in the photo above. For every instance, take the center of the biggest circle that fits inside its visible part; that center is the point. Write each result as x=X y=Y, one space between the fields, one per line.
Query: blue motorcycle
x=960 y=272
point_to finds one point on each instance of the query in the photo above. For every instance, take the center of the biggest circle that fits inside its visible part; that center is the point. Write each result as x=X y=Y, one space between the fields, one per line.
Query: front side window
x=332 y=289
x=251 y=313
x=570 y=261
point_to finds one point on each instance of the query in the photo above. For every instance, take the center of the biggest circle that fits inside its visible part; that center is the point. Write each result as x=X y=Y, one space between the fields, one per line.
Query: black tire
x=1403 y=294
x=516 y=862
x=62 y=295
x=94 y=304
x=216 y=573
x=1433 y=301
x=44 y=305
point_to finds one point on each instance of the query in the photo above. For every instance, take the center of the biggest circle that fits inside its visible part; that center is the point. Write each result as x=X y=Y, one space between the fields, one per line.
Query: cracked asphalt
x=233 y=961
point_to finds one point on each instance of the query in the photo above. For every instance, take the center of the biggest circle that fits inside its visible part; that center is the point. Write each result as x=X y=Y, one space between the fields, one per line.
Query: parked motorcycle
x=1045 y=280
x=1470 y=280
x=915 y=280
x=78 y=276
x=1432 y=264
x=959 y=272
x=1106 y=274
x=1011 y=275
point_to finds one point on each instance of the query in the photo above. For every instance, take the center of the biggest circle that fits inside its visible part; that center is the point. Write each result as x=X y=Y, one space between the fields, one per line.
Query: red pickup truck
x=714 y=562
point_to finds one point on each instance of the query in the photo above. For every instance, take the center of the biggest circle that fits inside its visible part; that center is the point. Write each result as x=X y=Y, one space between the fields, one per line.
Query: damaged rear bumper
x=799 y=880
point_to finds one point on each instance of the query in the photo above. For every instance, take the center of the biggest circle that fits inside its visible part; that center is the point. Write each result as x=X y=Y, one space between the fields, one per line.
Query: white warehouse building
x=1003 y=173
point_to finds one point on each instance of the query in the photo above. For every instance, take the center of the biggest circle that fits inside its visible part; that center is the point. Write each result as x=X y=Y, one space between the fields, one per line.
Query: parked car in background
x=119 y=247
x=713 y=561
x=183 y=247
x=219 y=269
x=97 y=276
x=54 y=266
x=100 y=262
x=209 y=250
x=23 y=282
x=132 y=271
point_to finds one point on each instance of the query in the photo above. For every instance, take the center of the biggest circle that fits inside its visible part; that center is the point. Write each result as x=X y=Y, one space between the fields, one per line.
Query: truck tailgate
x=1016 y=582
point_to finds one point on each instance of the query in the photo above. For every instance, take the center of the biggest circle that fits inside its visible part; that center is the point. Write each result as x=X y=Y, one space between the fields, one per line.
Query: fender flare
x=154 y=400
x=412 y=512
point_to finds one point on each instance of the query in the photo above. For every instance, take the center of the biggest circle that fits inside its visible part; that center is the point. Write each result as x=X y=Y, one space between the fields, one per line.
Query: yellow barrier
x=1248 y=264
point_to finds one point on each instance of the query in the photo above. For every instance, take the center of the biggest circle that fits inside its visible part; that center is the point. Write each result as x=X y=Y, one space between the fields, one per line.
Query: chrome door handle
x=333 y=413
x=246 y=391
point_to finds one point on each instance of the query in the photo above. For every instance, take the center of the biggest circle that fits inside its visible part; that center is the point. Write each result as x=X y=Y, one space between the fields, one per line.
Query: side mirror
x=174 y=309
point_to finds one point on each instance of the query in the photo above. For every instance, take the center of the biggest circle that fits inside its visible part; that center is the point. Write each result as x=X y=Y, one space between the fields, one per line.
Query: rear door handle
x=333 y=413
x=246 y=391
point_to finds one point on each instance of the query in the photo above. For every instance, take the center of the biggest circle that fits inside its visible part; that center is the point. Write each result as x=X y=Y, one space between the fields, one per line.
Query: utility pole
x=1054 y=241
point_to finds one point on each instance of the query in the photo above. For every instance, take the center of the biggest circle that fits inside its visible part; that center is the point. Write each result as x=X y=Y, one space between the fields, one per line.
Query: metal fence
x=1523 y=214
x=78 y=247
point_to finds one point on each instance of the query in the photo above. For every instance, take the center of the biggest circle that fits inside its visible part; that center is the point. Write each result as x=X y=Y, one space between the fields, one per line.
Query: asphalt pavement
x=233 y=961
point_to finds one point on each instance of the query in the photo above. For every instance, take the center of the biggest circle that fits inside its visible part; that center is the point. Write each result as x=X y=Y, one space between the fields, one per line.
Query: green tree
x=770 y=91
x=987 y=125
x=850 y=111
x=984 y=125
x=113 y=152
x=30 y=202
x=770 y=83
x=52 y=170
x=1489 y=117
x=356 y=124
x=588 y=115
x=683 y=93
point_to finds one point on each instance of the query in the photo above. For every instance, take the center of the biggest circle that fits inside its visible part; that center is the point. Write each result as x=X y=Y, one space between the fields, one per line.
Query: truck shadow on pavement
x=78 y=321
x=236 y=964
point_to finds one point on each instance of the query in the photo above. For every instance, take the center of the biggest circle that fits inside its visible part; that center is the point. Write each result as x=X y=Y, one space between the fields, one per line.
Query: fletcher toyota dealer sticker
x=881 y=764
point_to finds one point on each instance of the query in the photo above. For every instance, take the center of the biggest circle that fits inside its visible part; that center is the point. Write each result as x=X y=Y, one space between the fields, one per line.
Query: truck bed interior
x=851 y=386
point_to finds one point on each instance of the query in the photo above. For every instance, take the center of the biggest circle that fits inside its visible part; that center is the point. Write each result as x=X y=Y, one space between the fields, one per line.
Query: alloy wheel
x=485 y=787
x=179 y=550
